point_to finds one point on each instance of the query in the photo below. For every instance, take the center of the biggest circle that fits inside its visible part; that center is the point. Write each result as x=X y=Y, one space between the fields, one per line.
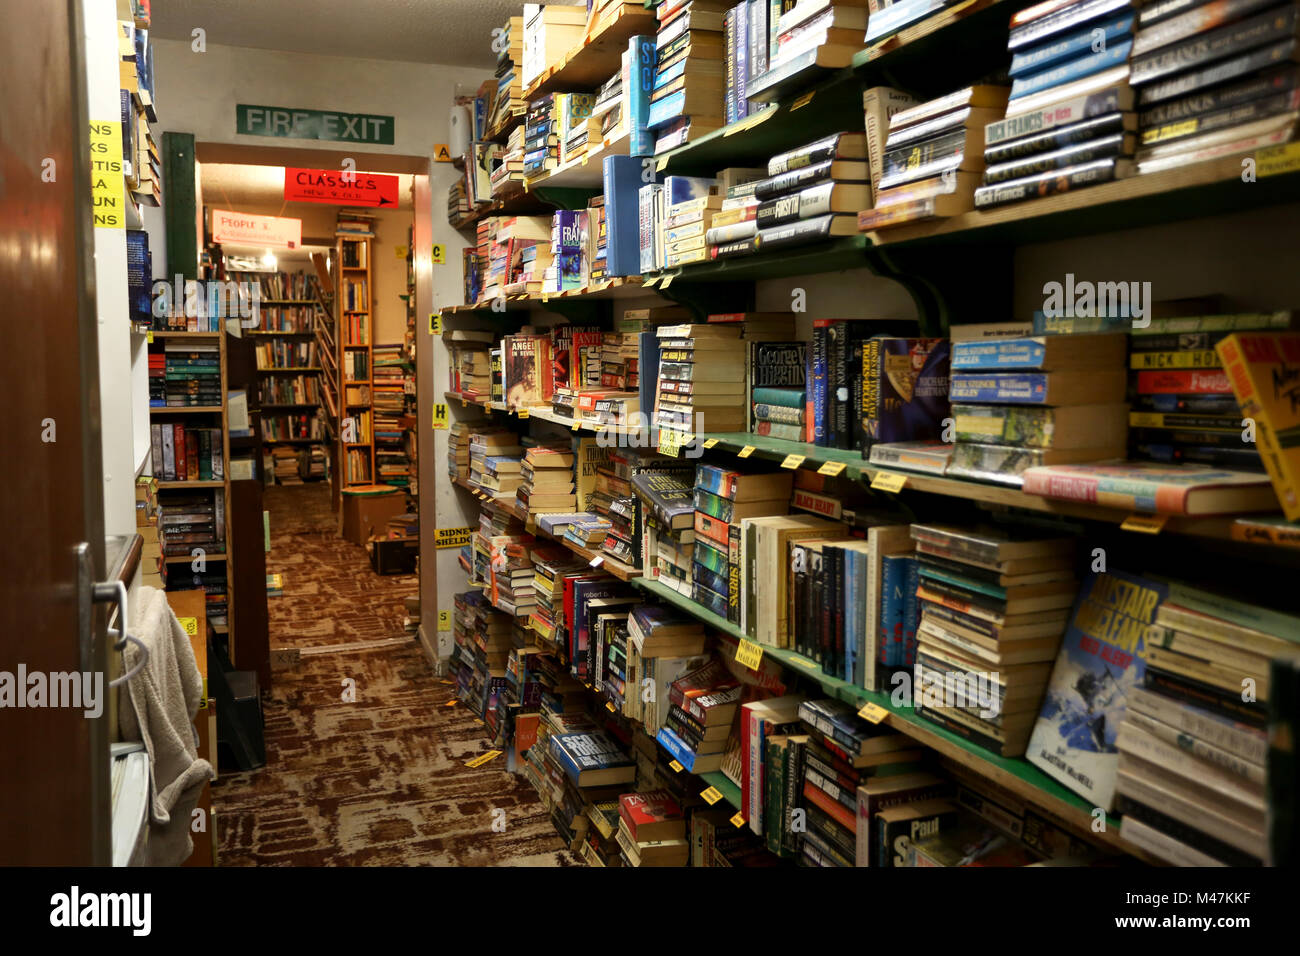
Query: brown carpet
x=380 y=781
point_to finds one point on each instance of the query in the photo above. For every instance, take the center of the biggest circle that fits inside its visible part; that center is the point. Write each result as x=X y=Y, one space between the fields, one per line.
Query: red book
x=178 y=441
x=652 y=816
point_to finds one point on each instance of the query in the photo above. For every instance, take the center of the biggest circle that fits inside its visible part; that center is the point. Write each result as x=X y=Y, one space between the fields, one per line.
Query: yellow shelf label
x=709 y=443
x=439 y=254
x=1277 y=159
x=576 y=424
x=831 y=468
x=746 y=451
x=440 y=415
x=883 y=481
x=444 y=620
x=677 y=768
x=792 y=461
x=668 y=280
x=749 y=654
x=191 y=625
x=435 y=323
x=151 y=337
x=399 y=252
x=1145 y=524
x=738 y=820
x=802 y=101
x=451 y=703
x=522 y=413
x=481 y=759
x=873 y=713
x=711 y=796
x=452 y=537
x=609 y=706
x=650 y=283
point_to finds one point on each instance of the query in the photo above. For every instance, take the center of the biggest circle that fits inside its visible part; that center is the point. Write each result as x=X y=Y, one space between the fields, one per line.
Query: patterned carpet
x=380 y=781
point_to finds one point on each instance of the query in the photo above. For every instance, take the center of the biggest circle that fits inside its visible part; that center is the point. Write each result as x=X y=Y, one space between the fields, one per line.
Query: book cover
x=1102 y=659
x=1264 y=369
x=1153 y=488
x=904 y=390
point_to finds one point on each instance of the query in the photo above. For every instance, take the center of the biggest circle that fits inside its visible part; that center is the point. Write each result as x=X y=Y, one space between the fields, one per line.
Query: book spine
x=1077 y=69
x=1220 y=98
x=733 y=574
x=819 y=384
x=1079 y=42
x=1216 y=44
x=1055 y=139
x=1048 y=183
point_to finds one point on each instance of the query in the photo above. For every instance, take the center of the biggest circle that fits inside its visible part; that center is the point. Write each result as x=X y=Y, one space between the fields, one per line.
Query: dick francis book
x=1102 y=658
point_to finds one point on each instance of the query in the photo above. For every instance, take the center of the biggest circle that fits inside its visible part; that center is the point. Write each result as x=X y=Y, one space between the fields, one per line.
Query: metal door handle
x=114 y=592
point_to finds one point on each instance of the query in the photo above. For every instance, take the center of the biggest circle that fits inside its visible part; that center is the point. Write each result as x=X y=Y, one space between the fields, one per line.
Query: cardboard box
x=366 y=510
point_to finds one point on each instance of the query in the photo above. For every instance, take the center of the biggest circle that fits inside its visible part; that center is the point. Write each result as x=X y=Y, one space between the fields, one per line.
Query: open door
x=54 y=761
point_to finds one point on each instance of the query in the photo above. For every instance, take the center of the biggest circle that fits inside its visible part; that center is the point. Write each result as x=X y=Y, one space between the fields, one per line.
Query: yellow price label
x=481 y=759
x=444 y=620
x=804 y=662
x=399 y=252
x=451 y=703
x=677 y=768
x=738 y=820
x=802 y=101
x=576 y=424
x=831 y=468
x=1278 y=159
x=668 y=280
x=711 y=796
x=792 y=461
x=746 y=451
x=670 y=442
x=884 y=481
x=609 y=706
x=191 y=625
x=522 y=413
x=441 y=415
x=650 y=283
x=1145 y=524
x=435 y=323
x=709 y=443
x=150 y=337
x=873 y=713
x=584 y=159
x=439 y=254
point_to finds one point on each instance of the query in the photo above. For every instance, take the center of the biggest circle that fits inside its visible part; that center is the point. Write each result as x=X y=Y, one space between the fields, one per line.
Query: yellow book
x=1264 y=371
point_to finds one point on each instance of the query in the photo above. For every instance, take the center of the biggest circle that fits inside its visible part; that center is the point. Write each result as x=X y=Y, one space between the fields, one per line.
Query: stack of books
x=1184 y=408
x=458 y=207
x=550 y=32
x=568 y=269
x=701 y=380
x=609 y=111
x=490 y=443
x=652 y=829
x=576 y=126
x=778 y=396
x=192 y=373
x=933 y=156
x=841 y=754
x=668 y=532
x=541 y=137
x=735 y=221
x=994 y=604
x=469 y=362
x=619 y=353
x=501 y=476
x=192 y=522
x=507 y=175
x=687 y=99
x=1192 y=769
x=547 y=480
x=1214 y=80
x=550 y=566
x=702 y=706
x=1023 y=402
x=509 y=104
x=722 y=500
x=885 y=23
x=509 y=576
x=1068 y=121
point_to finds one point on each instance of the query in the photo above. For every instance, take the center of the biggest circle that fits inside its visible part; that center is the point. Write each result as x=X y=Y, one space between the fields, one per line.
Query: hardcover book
x=1102 y=659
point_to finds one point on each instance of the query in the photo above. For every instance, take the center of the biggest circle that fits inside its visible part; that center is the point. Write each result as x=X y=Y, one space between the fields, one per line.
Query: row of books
x=180 y=452
x=185 y=374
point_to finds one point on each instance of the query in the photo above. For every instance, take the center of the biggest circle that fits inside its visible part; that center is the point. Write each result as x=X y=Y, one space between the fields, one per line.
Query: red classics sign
x=339 y=187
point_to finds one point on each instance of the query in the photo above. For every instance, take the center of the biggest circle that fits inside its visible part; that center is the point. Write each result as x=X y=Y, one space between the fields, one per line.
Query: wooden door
x=54 y=763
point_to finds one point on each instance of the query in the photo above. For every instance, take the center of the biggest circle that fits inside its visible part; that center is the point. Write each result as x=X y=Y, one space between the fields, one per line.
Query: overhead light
x=269 y=259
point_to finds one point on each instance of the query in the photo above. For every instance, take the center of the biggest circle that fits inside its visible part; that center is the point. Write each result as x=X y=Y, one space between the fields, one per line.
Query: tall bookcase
x=353 y=300
x=183 y=569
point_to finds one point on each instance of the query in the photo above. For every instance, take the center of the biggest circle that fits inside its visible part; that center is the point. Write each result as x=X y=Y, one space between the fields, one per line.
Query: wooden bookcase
x=208 y=416
x=354 y=298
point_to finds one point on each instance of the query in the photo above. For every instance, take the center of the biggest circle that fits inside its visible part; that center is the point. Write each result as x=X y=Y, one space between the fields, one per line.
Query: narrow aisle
x=382 y=780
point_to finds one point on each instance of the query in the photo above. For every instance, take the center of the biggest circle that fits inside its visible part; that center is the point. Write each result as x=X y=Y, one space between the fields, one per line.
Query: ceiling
x=236 y=186
x=454 y=32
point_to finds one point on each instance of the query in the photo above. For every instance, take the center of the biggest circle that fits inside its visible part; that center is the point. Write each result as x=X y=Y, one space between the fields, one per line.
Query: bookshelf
x=192 y=564
x=354 y=298
x=938 y=262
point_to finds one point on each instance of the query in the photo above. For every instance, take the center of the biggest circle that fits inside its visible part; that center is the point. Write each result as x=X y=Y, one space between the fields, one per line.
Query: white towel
x=158 y=710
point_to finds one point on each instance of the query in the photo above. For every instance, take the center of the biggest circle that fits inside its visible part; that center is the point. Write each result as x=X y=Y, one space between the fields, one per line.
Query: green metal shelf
x=730 y=792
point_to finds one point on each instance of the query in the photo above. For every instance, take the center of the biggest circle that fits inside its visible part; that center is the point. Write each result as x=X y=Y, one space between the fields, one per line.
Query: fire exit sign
x=288 y=123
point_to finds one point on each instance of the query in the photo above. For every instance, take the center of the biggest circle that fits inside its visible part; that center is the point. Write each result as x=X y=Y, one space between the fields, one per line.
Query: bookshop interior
x=651 y=433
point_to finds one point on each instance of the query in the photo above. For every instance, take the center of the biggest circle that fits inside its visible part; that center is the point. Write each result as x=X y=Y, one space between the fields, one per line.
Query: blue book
x=1075 y=69
x=1043 y=55
x=664 y=77
x=1102 y=658
x=622 y=181
x=641 y=142
x=681 y=188
x=911 y=611
x=742 y=59
x=821 y=435
x=683 y=754
x=710 y=579
x=1011 y=388
x=893 y=578
x=648 y=371
x=893 y=18
x=666 y=110
x=592 y=759
x=1026 y=353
